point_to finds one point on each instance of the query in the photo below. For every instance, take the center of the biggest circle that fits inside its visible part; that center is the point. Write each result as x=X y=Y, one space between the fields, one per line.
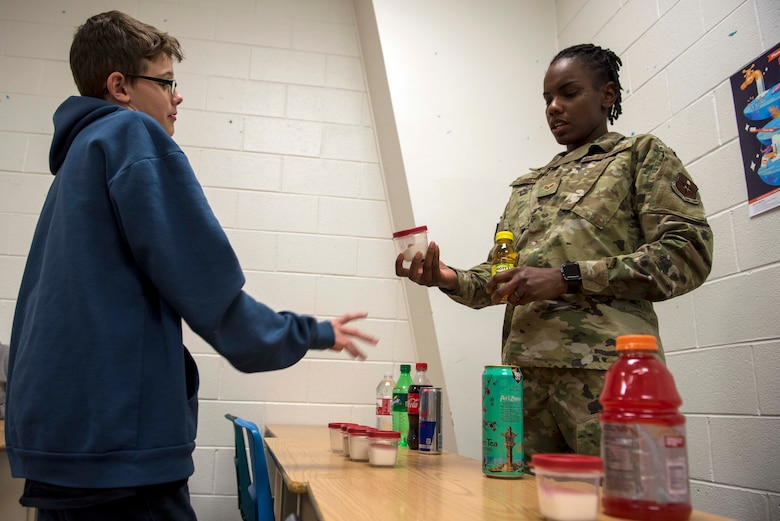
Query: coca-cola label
x=413 y=403
x=384 y=406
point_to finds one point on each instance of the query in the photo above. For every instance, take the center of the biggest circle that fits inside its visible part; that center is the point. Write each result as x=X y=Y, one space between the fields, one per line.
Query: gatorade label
x=645 y=462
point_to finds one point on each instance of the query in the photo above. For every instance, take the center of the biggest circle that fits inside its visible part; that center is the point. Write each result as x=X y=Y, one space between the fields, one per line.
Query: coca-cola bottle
x=413 y=404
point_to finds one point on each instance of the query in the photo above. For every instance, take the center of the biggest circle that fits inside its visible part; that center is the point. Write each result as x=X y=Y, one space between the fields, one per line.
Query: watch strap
x=570 y=271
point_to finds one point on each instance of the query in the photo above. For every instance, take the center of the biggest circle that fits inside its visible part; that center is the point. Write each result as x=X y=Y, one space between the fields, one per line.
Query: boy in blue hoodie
x=102 y=394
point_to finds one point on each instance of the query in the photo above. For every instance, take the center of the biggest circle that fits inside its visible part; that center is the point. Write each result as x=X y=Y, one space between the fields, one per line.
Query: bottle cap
x=406 y=368
x=421 y=366
x=636 y=343
x=505 y=235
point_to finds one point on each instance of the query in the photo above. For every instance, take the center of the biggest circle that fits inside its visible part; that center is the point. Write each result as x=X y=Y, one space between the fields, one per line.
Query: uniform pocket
x=588 y=435
x=598 y=195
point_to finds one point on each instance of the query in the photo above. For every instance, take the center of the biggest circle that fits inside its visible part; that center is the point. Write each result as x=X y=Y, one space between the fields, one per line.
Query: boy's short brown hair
x=114 y=41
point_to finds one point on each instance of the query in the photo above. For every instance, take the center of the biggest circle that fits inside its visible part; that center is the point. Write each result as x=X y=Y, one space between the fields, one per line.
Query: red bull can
x=430 y=420
x=502 y=421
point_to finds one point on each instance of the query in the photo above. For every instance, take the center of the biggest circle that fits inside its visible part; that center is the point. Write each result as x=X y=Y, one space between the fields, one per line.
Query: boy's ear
x=116 y=88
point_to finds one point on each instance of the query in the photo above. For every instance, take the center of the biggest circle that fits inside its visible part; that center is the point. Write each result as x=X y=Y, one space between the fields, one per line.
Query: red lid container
x=567 y=462
x=389 y=435
x=410 y=231
x=337 y=425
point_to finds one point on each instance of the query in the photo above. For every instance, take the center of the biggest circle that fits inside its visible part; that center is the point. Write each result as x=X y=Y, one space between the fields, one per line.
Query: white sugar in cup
x=409 y=242
x=383 y=448
x=568 y=485
x=358 y=442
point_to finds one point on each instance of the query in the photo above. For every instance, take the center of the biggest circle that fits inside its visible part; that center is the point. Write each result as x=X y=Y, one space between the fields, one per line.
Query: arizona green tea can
x=502 y=421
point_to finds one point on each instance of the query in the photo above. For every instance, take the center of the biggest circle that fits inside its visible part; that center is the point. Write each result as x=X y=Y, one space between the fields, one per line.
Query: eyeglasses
x=170 y=83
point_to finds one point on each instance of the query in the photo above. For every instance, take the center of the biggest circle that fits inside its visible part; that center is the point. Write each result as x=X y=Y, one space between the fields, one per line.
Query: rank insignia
x=548 y=188
x=686 y=189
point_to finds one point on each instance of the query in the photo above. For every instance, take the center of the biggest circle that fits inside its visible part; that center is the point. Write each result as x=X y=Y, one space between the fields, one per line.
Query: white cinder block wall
x=722 y=340
x=277 y=126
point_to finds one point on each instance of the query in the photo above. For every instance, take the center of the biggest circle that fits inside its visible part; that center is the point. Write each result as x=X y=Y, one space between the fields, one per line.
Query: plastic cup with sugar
x=409 y=242
x=568 y=485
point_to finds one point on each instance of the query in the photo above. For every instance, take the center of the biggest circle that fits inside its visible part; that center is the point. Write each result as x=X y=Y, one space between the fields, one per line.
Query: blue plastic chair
x=254 y=488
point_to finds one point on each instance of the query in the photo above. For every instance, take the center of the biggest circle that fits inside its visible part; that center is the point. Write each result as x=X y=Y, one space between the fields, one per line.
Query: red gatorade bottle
x=643 y=436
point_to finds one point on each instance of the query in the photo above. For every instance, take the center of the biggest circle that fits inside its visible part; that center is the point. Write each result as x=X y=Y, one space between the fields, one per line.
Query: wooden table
x=322 y=485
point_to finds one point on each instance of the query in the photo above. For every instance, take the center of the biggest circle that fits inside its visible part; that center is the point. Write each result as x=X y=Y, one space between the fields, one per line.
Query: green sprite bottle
x=400 y=395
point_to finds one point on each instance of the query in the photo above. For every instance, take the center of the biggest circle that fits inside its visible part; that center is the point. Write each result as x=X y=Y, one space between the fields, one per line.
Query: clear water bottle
x=419 y=381
x=384 y=402
x=400 y=396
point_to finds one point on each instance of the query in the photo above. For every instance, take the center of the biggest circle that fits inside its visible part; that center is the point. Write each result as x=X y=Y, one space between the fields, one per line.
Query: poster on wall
x=756 y=92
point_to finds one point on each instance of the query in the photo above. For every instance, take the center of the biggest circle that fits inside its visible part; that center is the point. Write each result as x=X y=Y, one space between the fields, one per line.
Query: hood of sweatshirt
x=75 y=114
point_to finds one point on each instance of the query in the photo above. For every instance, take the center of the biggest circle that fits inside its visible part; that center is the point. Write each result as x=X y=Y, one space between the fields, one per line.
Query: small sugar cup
x=568 y=485
x=336 y=438
x=383 y=448
x=409 y=242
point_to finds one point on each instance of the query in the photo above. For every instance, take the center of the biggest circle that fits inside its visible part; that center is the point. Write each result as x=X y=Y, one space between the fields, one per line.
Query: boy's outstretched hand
x=345 y=335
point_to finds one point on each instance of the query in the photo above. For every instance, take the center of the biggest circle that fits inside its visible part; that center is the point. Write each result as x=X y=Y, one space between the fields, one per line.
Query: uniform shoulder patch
x=684 y=187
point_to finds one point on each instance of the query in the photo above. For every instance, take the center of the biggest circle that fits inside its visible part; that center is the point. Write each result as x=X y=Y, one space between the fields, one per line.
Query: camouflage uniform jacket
x=626 y=210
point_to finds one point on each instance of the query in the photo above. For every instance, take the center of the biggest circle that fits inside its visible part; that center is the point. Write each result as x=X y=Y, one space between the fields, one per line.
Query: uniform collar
x=600 y=145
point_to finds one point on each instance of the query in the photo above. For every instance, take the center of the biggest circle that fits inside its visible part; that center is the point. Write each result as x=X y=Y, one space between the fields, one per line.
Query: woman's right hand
x=429 y=270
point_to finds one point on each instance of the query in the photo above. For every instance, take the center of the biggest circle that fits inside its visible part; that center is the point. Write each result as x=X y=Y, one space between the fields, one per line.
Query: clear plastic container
x=345 y=438
x=383 y=448
x=410 y=242
x=336 y=441
x=568 y=485
x=358 y=442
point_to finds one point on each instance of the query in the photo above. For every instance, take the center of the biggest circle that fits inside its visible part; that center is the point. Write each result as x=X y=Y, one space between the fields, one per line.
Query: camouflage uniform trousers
x=560 y=410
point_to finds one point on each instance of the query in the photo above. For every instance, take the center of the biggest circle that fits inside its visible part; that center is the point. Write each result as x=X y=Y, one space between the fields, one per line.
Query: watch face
x=571 y=271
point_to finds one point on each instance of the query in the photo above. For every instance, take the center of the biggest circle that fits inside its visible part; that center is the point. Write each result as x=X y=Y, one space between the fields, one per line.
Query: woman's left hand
x=526 y=284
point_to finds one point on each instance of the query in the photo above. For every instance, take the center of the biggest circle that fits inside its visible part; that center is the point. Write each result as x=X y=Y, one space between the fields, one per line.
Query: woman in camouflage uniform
x=607 y=227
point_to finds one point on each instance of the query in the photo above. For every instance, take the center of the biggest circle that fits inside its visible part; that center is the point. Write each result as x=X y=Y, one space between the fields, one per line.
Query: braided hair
x=604 y=64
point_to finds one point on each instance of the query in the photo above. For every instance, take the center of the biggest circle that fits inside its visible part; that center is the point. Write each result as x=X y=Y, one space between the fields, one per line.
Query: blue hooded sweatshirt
x=101 y=391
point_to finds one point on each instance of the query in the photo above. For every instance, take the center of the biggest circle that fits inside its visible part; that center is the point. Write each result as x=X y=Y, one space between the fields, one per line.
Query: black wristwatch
x=570 y=271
